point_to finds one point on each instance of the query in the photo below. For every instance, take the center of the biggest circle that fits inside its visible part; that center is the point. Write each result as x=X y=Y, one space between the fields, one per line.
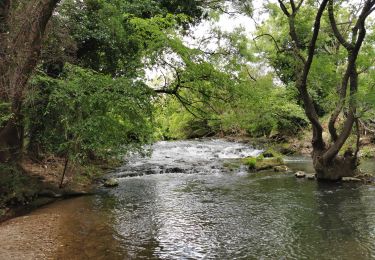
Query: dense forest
x=92 y=80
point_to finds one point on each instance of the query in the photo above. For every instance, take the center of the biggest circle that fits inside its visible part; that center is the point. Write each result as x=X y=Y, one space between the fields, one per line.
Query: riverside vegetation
x=75 y=94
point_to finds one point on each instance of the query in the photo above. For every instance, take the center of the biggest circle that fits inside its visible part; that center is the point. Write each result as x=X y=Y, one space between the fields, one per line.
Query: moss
x=260 y=163
x=251 y=162
x=271 y=153
x=232 y=165
x=286 y=149
x=367 y=152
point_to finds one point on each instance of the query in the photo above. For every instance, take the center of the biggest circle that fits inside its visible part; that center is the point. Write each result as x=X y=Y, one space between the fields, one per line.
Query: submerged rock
x=351 y=179
x=300 y=174
x=110 y=183
x=281 y=168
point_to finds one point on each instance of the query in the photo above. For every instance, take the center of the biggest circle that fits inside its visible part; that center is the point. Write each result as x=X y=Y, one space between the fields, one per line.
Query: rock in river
x=281 y=168
x=300 y=174
x=110 y=183
x=310 y=176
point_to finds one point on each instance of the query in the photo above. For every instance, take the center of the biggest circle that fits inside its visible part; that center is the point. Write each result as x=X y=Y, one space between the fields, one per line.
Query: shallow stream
x=186 y=205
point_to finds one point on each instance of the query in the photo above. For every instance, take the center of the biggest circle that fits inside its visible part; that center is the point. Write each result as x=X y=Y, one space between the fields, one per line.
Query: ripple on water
x=203 y=212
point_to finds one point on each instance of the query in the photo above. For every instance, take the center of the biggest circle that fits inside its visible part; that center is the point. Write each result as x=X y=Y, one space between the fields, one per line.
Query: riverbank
x=27 y=189
x=45 y=232
x=34 y=184
x=301 y=144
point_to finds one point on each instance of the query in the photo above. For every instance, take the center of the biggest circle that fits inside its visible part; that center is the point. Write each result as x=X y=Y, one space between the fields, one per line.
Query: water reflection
x=343 y=221
x=221 y=215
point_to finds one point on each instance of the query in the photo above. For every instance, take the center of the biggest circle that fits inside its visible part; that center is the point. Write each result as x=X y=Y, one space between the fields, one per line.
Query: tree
x=104 y=36
x=326 y=159
x=22 y=26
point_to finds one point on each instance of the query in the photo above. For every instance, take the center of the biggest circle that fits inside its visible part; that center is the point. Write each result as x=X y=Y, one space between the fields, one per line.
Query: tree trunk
x=338 y=167
x=11 y=141
x=328 y=164
x=22 y=26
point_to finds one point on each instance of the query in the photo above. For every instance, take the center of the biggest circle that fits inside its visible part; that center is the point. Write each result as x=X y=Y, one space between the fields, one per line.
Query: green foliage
x=175 y=122
x=257 y=108
x=328 y=63
x=93 y=114
x=251 y=162
x=114 y=36
x=367 y=152
x=261 y=108
x=16 y=188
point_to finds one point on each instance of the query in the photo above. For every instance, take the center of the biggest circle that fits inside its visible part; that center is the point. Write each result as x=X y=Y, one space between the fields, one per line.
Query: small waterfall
x=193 y=156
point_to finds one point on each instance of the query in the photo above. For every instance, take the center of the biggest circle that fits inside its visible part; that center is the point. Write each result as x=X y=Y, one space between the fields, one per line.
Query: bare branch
x=299 y=5
x=273 y=39
x=293 y=5
x=283 y=8
x=250 y=76
x=335 y=30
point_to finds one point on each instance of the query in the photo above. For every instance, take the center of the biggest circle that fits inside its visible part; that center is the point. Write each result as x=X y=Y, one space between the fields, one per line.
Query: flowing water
x=181 y=203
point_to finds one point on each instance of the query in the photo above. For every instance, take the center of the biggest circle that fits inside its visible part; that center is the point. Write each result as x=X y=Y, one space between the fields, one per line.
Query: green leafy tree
x=93 y=115
x=327 y=161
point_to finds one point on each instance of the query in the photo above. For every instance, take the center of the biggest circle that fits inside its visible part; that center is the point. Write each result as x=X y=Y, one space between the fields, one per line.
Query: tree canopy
x=75 y=75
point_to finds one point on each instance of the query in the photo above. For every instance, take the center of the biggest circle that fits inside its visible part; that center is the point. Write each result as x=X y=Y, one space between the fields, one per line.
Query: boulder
x=110 y=183
x=300 y=174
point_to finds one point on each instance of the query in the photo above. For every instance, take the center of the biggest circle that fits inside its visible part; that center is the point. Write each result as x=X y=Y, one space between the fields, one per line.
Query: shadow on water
x=214 y=214
x=344 y=229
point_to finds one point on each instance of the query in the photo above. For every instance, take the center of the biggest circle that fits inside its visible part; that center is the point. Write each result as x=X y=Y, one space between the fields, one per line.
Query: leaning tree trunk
x=22 y=26
x=328 y=164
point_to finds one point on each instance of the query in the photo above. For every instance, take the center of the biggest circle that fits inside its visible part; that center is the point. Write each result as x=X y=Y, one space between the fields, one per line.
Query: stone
x=281 y=168
x=351 y=179
x=310 y=176
x=174 y=170
x=300 y=174
x=110 y=183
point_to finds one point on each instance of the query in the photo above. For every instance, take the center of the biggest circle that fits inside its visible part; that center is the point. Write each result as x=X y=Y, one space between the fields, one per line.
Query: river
x=186 y=205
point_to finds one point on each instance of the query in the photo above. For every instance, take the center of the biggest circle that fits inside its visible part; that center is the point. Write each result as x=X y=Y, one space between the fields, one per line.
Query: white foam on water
x=189 y=156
